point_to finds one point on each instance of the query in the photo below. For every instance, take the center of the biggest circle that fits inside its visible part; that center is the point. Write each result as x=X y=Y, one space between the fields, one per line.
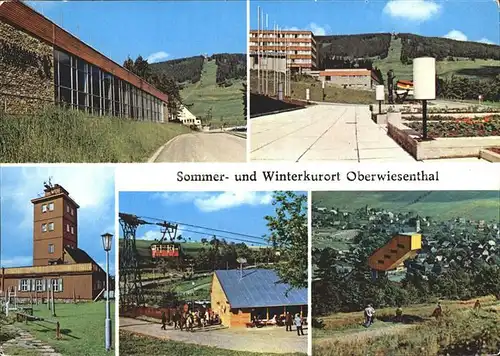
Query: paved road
x=263 y=340
x=323 y=132
x=204 y=147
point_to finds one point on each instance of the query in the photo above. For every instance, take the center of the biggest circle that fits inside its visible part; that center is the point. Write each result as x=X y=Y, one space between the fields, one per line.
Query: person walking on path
x=369 y=315
x=288 y=321
x=163 y=321
x=298 y=324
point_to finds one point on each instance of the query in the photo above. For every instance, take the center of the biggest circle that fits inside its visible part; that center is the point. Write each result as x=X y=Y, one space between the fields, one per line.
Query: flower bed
x=450 y=117
x=468 y=127
x=495 y=149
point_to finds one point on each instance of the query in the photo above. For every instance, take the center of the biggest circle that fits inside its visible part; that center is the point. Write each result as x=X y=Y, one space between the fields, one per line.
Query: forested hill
x=229 y=66
x=377 y=45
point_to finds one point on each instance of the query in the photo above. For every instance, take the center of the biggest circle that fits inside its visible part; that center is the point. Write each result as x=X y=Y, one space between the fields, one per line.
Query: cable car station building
x=240 y=295
x=41 y=63
x=58 y=263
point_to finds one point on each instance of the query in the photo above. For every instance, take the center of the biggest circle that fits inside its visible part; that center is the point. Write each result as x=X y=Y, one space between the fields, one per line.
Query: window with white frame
x=44 y=208
x=72 y=230
x=72 y=211
x=57 y=284
x=25 y=285
x=51 y=248
x=44 y=227
x=51 y=226
x=67 y=208
x=67 y=227
x=51 y=206
x=39 y=285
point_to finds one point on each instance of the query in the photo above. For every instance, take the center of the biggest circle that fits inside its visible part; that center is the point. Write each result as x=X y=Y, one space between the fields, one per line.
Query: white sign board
x=379 y=93
x=307 y=95
x=424 y=78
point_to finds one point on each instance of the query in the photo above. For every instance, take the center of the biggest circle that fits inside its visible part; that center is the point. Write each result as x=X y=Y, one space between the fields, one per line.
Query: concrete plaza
x=323 y=132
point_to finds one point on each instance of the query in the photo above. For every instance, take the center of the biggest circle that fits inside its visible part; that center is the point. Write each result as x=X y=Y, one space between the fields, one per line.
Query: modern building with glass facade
x=41 y=63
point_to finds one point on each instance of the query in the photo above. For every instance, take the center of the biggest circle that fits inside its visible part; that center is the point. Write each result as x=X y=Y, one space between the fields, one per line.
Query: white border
x=249 y=127
x=164 y=177
x=309 y=272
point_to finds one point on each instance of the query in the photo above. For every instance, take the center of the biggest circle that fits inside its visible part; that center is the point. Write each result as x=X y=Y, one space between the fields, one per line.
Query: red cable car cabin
x=165 y=250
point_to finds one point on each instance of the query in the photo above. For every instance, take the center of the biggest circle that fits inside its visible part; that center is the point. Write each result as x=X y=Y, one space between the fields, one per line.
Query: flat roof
x=22 y=16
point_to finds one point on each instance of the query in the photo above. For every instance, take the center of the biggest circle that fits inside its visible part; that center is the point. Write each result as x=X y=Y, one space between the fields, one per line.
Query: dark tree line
x=414 y=46
x=230 y=66
x=161 y=81
x=462 y=88
x=181 y=70
x=356 y=46
x=339 y=62
x=337 y=290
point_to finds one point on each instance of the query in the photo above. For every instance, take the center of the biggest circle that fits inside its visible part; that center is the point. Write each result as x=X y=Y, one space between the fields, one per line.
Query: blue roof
x=258 y=288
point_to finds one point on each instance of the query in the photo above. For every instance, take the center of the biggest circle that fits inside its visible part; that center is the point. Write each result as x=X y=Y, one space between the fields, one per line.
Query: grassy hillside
x=479 y=68
x=333 y=94
x=207 y=98
x=59 y=135
x=468 y=59
x=439 y=204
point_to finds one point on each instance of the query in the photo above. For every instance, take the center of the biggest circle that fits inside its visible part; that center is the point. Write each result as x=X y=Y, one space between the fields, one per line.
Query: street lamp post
x=107 y=238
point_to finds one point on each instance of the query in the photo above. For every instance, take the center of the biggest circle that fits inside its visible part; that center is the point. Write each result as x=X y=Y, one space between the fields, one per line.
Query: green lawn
x=82 y=328
x=184 y=286
x=226 y=102
x=18 y=351
x=132 y=344
x=59 y=135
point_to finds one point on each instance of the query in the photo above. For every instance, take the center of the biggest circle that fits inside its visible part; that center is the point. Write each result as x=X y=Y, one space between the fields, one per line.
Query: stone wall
x=26 y=71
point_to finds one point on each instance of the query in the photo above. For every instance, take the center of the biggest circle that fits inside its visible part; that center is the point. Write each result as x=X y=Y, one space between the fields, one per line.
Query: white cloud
x=228 y=200
x=318 y=30
x=151 y=235
x=413 y=10
x=456 y=35
x=17 y=261
x=208 y=201
x=92 y=187
x=313 y=27
x=157 y=57
x=485 y=40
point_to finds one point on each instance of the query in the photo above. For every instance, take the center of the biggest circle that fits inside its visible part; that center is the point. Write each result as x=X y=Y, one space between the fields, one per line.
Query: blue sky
x=235 y=212
x=461 y=20
x=159 y=30
x=91 y=186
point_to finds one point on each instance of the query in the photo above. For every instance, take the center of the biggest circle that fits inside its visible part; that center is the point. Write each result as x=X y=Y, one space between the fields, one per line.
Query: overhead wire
x=246 y=238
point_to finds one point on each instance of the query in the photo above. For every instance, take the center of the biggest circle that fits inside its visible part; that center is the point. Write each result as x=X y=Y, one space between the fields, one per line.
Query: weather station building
x=41 y=63
x=57 y=260
x=284 y=49
x=239 y=295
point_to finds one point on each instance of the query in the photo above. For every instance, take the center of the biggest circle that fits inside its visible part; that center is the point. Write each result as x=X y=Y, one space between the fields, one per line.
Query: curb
x=154 y=157
x=275 y=112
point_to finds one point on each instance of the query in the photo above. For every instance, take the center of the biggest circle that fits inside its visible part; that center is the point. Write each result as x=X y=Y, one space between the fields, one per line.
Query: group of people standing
x=297 y=321
x=188 y=320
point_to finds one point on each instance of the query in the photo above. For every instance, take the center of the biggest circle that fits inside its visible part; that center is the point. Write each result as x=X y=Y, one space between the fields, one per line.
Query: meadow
x=82 y=328
x=225 y=104
x=461 y=331
x=60 y=135
x=442 y=205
